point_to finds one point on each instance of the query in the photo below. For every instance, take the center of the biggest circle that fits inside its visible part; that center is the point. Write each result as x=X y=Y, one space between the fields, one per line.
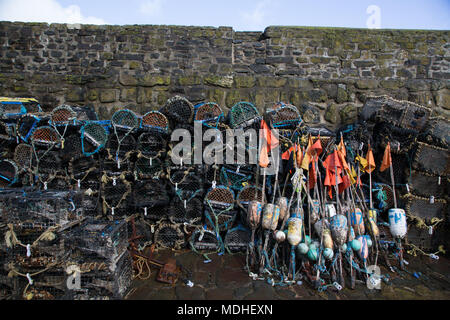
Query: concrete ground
x=224 y=278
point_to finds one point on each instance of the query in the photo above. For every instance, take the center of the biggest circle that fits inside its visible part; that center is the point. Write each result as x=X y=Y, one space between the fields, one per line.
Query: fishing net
x=121 y=145
x=148 y=168
x=54 y=182
x=63 y=116
x=187 y=184
x=45 y=137
x=99 y=277
x=383 y=195
x=237 y=239
x=424 y=184
x=81 y=166
x=85 y=113
x=125 y=120
x=247 y=194
x=107 y=239
x=152 y=144
x=403 y=114
x=11 y=109
x=114 y=193
x=155 y=120
x=93 y=138
x=48 y=162
x=178 y=110
x=243 y=114
x=204 y=240
x=235 y=177
x=169 y=236
x=425 y=208
x=26 y=125
x=209 y=114
x=421 y=238
x=284 y=115
x=439 y=128
x=9 y=173
x=150 y=193
x=219 y=204
x=183 y=211
x=72 y=147
x=5 y=132
x=432 y=159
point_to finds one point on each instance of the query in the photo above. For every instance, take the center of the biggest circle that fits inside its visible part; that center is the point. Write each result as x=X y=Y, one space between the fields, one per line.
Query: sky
x=242 y=15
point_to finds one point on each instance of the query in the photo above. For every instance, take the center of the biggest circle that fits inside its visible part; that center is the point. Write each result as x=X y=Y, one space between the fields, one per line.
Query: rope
x=414 y=249
x=12 y=240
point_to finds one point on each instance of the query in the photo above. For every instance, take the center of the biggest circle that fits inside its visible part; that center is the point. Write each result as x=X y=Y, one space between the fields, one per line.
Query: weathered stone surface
x=349 y=114
x=443 y=98
x=221 y=81
x=332 y=114
x=108 y=96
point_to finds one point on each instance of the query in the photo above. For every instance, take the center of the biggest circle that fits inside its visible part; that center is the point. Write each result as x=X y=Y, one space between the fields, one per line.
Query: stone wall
x=326 y=72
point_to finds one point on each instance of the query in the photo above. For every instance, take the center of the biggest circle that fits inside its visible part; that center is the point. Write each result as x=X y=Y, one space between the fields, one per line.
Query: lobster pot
x=81 y=166
x=101 y=279
x=148 y=168
x=400 y=166
x=152 y=144
x=235 y=177
x=237 y=239
x=357 y=221
x=155 y=121
x=115 y=167
x=45 y=138
x=285 y=116
x=204 y=240
x=243 y=114
x=295 y=231
x=425 y=208
x=247 y=194
x=9 y=173
x=125 y=120
x=219 y=203
x=339 y=229
x=401 y=139
x=271 y=214
x=189 y=211
x=422 y=238
x=57 y=183
x=120 y=144
x=49 y=162
x=432 y=159
x=72 y=147
x=397 y=223
x=155 y=213
x=403 y=114
x=63 y=116
x=223 y=220
x=209 y=114
x=27 y=124
x=40 y=209
x=49 y=285
x=93 y=138
x=115 y=194
x=85 y=113
x=106 y=239
x=140 y=233
x=90 y=180
x=426 y=185
x=439 y=129
x=169 y=236
x=187 y=185
x=178 y=110
x=150 y=193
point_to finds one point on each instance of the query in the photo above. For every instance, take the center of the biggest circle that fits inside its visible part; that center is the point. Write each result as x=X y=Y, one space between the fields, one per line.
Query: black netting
x=121 y=144
x=284 y=116
x=237 y=239
x=424 y=184
x=432 y=159
x=204 y=240
x=150 y=193
x=148 y=168
x=80 y=166
x=49 y=162
x=8 y=173
x=93 y=138
x=125 y=120
x=178 y=110
x=425 y=208
x=242 y=115
x=169 y=236
x=152 y=144
x=181 y=211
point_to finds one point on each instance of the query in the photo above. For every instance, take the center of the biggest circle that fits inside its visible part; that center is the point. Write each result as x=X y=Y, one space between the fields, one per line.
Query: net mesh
x=125 y=120
x=45 y=136
x=150 y=193
x=440 y=128
x=285 y=116
x=25 y=126
x=121 y=144
x=147 y=168
x=169 y=236
x=237 y=239
x=63 y=115
x=155 y=120
x=424 y=208
x=243 y=114
x=204 y=240
x=49 y=162
x=234 y=178
x=248 y=194
x=93 y=138
x=178 y=109
x=23 y=156
x=181 y=211
x=209 y=114
x=115 y=193
x=432 y=159
x=8 y=173
x=424 y=184
x=151 y=144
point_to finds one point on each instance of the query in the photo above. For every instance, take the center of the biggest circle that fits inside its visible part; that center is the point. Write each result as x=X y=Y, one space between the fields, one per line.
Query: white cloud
x=151 y=7
x=255 y=18
x=43 y=11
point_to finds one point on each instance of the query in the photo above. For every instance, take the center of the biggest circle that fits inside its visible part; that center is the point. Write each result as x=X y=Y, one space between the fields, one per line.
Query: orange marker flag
x=370 y=166
x=312 y=174
x=341 y=147
x=307 y=156
x=317 y=147
x=387 y=160
x=267 y=134
x=287 y=154
x=299 y=155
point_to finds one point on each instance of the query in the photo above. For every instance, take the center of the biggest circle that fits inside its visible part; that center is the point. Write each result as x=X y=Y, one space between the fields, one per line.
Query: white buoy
x=271 y=213
x=397 y=223
x=294 y=236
